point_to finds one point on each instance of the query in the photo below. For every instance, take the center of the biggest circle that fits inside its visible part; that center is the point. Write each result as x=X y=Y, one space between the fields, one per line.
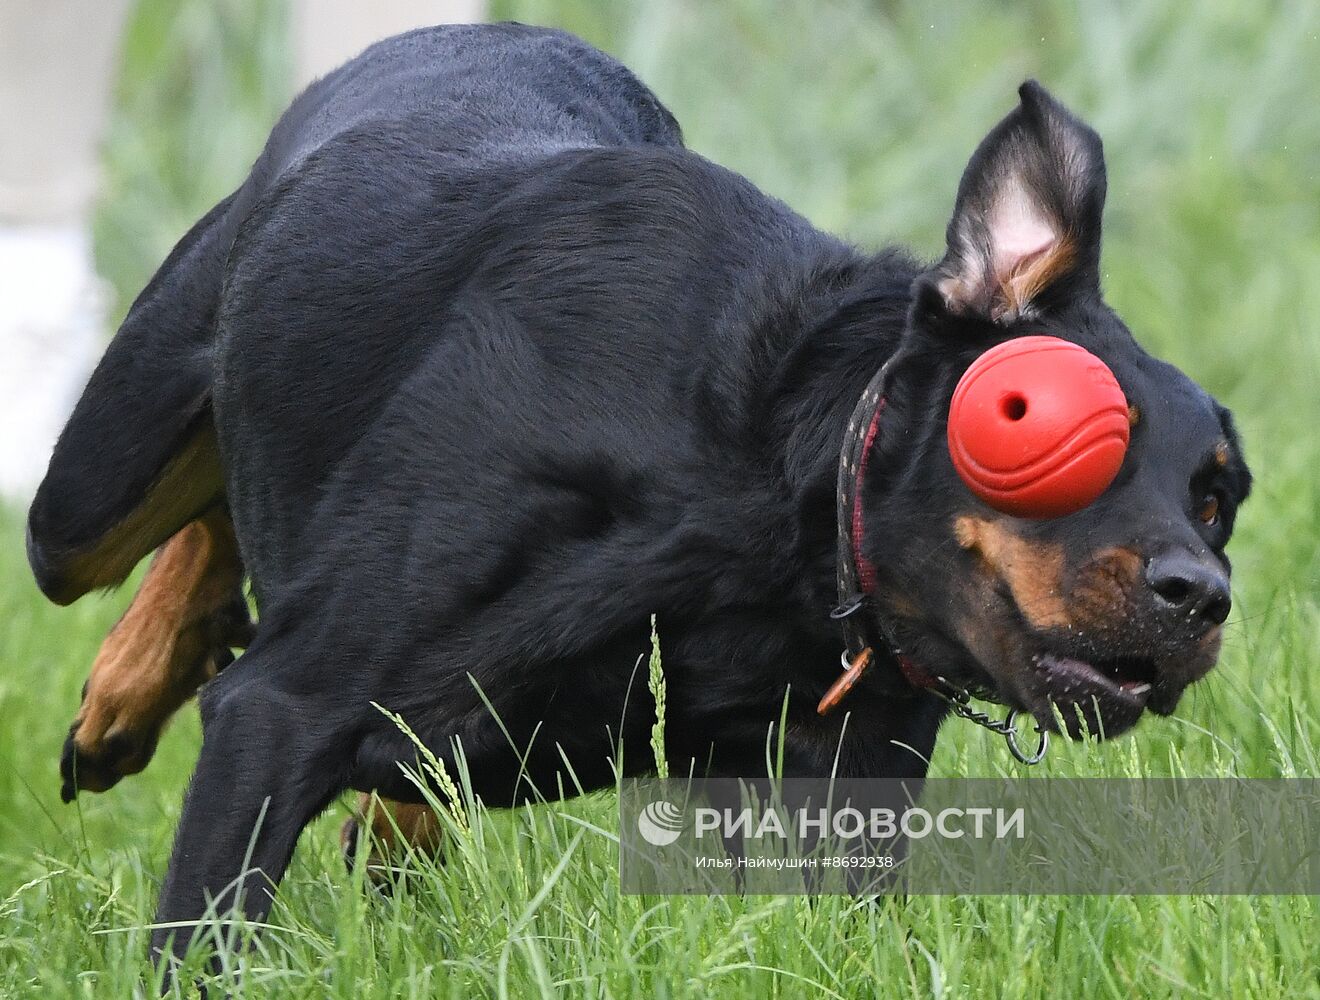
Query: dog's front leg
x=272 y=757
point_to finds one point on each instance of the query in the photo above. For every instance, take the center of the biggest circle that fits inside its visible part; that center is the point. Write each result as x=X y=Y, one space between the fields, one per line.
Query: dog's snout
x=1190 y=586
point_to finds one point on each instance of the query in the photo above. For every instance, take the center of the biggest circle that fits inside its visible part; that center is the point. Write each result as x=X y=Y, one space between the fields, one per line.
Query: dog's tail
x=138 y=458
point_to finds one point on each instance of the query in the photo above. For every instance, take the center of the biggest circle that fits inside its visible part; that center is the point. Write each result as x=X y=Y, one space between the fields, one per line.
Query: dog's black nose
x=1190 y=586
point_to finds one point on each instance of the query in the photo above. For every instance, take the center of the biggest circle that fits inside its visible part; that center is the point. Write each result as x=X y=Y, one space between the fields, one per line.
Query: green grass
x=861 y=115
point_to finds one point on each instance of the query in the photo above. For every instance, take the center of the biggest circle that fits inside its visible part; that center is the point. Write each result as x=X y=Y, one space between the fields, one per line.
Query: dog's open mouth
x=1127 y=677
x=1102 y=696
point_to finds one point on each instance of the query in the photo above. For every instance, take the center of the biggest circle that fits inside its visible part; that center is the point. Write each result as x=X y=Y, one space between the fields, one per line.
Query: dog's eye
x=1208 y=510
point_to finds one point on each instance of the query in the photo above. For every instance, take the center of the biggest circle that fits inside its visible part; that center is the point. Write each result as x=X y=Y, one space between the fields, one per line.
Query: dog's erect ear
x=1027 y=221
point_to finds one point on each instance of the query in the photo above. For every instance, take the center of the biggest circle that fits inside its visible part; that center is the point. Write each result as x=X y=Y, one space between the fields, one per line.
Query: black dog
x=484 y=368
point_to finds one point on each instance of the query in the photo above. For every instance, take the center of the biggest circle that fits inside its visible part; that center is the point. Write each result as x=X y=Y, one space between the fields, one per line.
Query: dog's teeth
x=1139 y=688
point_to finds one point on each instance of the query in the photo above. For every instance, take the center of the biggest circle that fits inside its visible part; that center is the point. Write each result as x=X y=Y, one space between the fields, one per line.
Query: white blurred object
x=57 y=65
x=329 y=32
x=52 y=315
x=57 y=68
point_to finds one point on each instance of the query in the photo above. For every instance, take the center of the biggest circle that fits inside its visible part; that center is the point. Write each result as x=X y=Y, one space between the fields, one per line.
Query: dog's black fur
x=498 y=369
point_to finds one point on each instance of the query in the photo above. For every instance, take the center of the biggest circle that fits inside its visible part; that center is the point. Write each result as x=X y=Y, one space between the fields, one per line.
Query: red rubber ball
x=1038 y=427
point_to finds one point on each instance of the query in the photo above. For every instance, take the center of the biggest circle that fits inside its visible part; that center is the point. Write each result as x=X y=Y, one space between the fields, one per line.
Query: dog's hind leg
x=397 y=829
x=175 y=635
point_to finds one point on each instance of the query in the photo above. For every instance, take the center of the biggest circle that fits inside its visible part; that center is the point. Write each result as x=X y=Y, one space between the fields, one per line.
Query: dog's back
x=495 y=90
x=138 y=458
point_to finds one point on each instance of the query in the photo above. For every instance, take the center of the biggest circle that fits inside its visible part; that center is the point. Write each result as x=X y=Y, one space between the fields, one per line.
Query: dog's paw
x=136 y=684
x=94 y=760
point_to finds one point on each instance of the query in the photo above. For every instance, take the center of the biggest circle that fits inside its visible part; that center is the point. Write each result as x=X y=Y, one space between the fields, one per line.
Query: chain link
x=959 y=700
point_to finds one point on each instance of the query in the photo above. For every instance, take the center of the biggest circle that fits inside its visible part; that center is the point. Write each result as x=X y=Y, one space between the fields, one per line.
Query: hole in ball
x=1014 y=406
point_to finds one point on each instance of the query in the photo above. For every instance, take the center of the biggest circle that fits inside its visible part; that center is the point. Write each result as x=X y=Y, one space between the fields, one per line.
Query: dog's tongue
x=1076 y=681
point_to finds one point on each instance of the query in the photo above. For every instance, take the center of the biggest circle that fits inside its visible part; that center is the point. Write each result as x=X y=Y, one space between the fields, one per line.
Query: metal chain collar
x=959 y=700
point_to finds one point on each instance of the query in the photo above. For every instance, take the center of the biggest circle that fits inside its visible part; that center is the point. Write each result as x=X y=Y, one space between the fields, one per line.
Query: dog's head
x=1102 y=613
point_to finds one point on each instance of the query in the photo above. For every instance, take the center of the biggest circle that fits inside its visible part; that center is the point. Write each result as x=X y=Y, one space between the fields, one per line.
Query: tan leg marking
x=396 y=828
x=184 y=617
